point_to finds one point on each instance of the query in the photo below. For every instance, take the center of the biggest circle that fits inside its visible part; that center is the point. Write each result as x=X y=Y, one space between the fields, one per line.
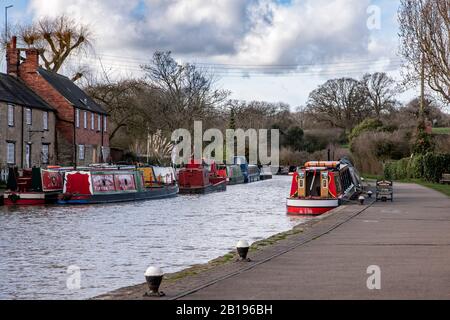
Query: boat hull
x=234 y=181
x=150 y=194
x=29 y=198
x=311 y=207
x=219 y=187
x=253 y=178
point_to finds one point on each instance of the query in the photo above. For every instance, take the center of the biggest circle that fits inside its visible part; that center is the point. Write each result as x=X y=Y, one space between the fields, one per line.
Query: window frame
x=81 y=152
x=77 y=117
x=45 y=121
x=8 y=144
x=29 y=116
x=105 y=123
x=92 y=121
x=47 y=145
x=11 y=115
x=85 y=120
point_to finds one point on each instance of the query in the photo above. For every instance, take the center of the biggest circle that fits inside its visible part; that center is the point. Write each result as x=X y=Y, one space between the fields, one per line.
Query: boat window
x=347 y=180
x=313 y=184
x=337 y=181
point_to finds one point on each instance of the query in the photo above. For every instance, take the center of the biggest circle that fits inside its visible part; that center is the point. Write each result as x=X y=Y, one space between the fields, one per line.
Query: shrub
x=371 y=149
x=429 y=167
x=435 y=165
x=401 y=170
x=416 y=166
x=365 y=126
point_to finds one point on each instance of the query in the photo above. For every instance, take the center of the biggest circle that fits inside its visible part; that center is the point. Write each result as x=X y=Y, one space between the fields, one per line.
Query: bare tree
x=341 y=103
x=381 y=92
x=57 y=38
x=186 y=93
x=121 y=100
x=425 y=33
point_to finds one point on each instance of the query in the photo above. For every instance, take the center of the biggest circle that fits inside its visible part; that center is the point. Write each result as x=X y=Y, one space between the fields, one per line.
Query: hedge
x=429 y=167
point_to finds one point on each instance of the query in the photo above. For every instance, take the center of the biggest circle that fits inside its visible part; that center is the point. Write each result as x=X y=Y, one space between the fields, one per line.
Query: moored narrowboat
x=33 y=187
x=321 y=186
x=232 y=173
x=195 y=178
x=250 y=172
x=116 y=184
x=266 y=173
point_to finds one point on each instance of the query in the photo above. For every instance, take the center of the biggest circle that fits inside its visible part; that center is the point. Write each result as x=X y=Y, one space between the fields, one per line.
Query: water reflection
x=114 y=244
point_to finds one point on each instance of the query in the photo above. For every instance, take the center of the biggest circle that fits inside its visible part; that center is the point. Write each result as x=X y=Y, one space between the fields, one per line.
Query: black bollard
x=154 y=277
x=243 y=248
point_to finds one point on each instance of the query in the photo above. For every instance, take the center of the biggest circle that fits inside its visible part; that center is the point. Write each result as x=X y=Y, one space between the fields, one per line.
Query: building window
x=81 y=152
x=77 y=118
x=10 y=115
x=104 y=123
x=45 y=118
x=29 y=116
x=92 y=121
x=99 y=123
x=11 y=153
x=45 y=154
x=85 y=120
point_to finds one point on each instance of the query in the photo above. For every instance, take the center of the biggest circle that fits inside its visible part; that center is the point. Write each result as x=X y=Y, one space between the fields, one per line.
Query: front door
x=28 y=156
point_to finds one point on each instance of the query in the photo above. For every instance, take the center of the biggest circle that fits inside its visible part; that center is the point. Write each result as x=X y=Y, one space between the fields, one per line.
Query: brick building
x=81 y=124
x=27 y=126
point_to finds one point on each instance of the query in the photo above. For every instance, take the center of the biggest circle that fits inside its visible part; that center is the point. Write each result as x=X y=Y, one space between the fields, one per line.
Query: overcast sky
x=273 y=50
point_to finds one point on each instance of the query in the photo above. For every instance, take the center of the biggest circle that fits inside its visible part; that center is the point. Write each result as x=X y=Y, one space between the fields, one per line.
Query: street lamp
x=6 y=22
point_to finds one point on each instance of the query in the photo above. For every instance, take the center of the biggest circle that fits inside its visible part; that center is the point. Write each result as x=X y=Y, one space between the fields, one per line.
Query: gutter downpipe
x=74 y=138
x=23 y=136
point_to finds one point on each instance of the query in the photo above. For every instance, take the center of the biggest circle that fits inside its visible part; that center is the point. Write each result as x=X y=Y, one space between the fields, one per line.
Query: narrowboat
x=266 y=173
x=321 y=186
x=195 y=178
x=251 y=172
x=232 y=173
x=33 y=187
x=118 y=184
x=283 y=171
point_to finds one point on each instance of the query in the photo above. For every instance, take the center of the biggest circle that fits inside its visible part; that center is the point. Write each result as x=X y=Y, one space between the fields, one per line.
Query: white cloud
x=308 y=30
x=231 y=32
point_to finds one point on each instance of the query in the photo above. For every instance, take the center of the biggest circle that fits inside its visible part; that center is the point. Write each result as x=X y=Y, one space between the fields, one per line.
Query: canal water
x=112 y=245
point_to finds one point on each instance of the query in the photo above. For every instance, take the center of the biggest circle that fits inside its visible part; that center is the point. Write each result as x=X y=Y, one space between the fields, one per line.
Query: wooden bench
x=445 y=178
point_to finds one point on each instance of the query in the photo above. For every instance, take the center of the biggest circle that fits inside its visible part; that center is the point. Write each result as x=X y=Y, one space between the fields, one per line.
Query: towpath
x=408 y=241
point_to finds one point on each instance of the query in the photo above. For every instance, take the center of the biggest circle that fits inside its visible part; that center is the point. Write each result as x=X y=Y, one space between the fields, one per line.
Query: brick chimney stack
x=31 y=63
x=12 y=58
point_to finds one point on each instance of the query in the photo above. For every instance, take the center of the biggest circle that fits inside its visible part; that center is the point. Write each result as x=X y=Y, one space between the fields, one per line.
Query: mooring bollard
x=362 y=199
x=154 y=277
x=242 y=248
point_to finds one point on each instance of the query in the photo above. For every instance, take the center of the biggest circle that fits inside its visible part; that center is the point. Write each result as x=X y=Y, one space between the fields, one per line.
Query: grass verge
x=442 y=188
x=441 y=130
x=232 y=256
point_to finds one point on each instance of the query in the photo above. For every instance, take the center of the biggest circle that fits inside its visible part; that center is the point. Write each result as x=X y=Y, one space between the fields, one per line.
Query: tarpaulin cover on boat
x=165 y=175
x=78 y=183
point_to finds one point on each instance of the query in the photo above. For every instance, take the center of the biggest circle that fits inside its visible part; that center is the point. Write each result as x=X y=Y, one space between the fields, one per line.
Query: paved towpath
x=408 y=239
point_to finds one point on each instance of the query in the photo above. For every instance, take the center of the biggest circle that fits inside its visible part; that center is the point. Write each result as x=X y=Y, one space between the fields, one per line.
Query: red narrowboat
x=112 y=184
x=197 y=179
x=321 y=186
x=34 y=187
